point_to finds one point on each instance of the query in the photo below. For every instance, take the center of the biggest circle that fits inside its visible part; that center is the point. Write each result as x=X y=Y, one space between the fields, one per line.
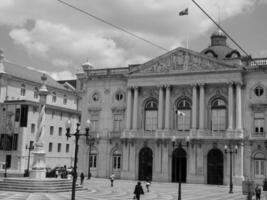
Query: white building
x=19 y=109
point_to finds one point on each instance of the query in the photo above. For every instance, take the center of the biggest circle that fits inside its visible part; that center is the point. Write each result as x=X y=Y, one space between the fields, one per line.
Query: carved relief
x=181 y=92
x=95 y=97
x=180 y=60
x=150 y=92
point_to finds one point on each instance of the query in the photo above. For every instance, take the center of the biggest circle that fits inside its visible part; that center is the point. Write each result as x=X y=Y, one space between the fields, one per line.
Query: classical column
x=160 y=107
x=167 y=108
x=194 y=107
x=201 y=107
x=238 y=107
x=135 y=107
x=230 y=106
x=129 y=108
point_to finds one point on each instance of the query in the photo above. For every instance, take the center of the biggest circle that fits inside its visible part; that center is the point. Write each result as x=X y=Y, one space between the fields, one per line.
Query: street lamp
x=77 y=134
x=30 y=148
x=229 y=149
x=178 y=143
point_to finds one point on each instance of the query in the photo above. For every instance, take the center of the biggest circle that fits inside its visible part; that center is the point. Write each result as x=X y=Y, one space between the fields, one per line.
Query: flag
x=179 y=113
x=183 y=12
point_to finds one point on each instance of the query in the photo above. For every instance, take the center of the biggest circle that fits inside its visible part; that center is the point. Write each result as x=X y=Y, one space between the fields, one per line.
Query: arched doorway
x=145 y=164
x=178 y=155
x=215 y=167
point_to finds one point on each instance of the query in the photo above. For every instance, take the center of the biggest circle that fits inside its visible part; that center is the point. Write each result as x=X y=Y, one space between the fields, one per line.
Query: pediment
x=182 y=60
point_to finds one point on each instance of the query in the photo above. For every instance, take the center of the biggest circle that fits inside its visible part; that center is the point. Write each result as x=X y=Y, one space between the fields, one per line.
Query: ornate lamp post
x=77 y=134
x=179 y=144
x=30 y=148
x=229 y=149
x=90 y=141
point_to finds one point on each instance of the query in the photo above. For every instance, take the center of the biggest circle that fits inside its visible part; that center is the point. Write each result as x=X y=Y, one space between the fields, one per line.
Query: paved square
x=99 y=189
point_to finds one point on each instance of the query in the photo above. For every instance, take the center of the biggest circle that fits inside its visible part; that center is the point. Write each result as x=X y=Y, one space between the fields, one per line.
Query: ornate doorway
x=215 y=167
x=179 y=155
x=145 y=164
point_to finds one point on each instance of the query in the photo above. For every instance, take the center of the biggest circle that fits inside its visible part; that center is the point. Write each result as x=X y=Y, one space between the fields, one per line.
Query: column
x=238 y=107
x=201 y=107
x=135 y=108
x=167 y=108
x=129 y=108
x=160 y=116
x=194 y=108
x=230 y=106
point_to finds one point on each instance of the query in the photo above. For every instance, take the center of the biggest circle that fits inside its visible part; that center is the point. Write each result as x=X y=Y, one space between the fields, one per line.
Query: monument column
x=160 y=120
x=230 y=106
x=167 y=108
x=129 y=108
x=194 y=107
x=238 y=107
x=201 y=107
x=135 y=108
x=38 y=166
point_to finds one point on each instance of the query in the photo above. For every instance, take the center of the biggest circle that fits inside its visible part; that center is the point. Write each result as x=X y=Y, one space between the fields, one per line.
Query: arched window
x=151 y=115
x=35 y=93
x=183 y=115
x=23 y=90
x=54 y=97
x=259 y=165
x=218 y=115
x=116 y=159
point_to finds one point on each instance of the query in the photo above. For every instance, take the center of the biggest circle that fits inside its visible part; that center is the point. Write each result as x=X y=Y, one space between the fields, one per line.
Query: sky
x=52 y=37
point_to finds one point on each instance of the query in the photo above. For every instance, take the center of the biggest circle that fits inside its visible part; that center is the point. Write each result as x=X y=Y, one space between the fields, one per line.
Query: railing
x=259 y=62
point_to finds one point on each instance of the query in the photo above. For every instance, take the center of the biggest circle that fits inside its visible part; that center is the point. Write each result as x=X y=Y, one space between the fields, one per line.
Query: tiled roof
x=30 y=74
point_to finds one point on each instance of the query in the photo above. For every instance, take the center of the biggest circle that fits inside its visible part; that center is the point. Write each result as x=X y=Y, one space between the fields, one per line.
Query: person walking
x=138 y=190
x=147 y=185
x=82 y=178
x=112 y=178
x=258 y=192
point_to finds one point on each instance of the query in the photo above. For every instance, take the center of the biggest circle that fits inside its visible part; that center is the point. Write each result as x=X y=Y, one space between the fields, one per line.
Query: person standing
x=112 y=178
x=258 y=192
x=82 y=178
x=138 y=190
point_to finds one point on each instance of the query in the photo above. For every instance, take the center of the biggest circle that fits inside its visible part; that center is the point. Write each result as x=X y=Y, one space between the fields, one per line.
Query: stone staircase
x=37 y=186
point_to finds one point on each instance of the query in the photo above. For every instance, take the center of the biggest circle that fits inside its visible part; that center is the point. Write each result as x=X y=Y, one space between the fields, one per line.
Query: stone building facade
x=215 y=98
x=19 y=111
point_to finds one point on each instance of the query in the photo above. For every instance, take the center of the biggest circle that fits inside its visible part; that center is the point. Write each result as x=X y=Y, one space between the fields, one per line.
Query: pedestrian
x=258 y=192
x=112 y=178
x=147 y=185
x=82 y=178
x=138 y=190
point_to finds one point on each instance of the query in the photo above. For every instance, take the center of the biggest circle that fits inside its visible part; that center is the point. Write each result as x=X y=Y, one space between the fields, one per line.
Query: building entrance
x=145 y=164
x=215 y=167
x=179 y=155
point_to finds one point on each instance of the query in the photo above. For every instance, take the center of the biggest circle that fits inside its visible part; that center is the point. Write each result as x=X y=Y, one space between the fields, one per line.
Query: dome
x=87 y=66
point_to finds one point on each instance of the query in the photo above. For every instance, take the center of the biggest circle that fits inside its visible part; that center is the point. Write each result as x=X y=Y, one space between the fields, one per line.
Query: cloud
x=63 y=75
x=66 y=37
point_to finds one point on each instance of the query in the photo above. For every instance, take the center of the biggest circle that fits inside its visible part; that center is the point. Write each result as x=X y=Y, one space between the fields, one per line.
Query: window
x=67 y=148
x=54 y=97
x=51 y=130
x=119 y=96
x=61 y=115
x=92 y=159
x=35 y=93
x=183 y=115
x=53 y=114
x=23 y=90
x=59 y=147
x=151 y=115
x=116 y=158
x=258 y=91
x=94 y=123
x=32 y=128
x=117 y=126
x=259 y=123
x=259 y=165
x=8 y=142
x=60 y=131
x=50 y=147
x=218 y=115
x=17 y=115
x=65 y=100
